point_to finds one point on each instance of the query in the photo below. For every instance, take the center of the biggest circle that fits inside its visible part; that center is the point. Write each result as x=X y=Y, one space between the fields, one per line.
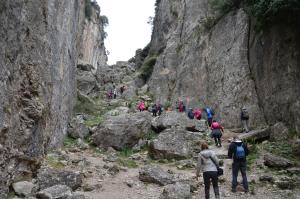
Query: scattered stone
x=48 y=177
x=174 y=143
x=176 y=191
x=294 y=170
x=23 y=188
x=129 y=183
x=285 y=184
x=55 y=192
x=259 y=134
x=113 y=170
x=76 y=195
x=276 y=162
x=155 y=174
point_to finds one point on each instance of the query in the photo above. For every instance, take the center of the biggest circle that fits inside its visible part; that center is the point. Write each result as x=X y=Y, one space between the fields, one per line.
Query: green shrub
x=126 y=152
x=127 y=163
x=88 y=9
x=104 y=20
x=167 y=104
x=147 y=67
x=223 y=6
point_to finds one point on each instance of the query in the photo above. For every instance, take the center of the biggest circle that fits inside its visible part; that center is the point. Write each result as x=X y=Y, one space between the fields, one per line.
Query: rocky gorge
x=62 y=137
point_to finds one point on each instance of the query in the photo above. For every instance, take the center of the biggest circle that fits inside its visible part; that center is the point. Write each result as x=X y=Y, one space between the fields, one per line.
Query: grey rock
x=77 y=195
x=77 y=129
x=155 y=174
x=279 y=132
x=177 y=191
x=277 y=162
x=23 y=188
x=118 y=111
x=55 y=192
x=123 y=130
x=267 y=178
x=174 y=143
x=86 y=81
x=254 y=135
x=48 y=177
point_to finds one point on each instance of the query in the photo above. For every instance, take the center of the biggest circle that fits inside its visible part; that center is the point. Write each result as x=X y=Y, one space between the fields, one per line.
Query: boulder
x=23 y=188
x=279 y=132
x=77 y=129
x=156 y=175
x=55 y=192
x=76 y=195
x=174 y=143
x=118 y=111
x=123 y=130
x=86 y=81
x=267 y=178
x=48 y=177
x=255 y=135
x=178 y=120
x=277 y=162
x=176 y=191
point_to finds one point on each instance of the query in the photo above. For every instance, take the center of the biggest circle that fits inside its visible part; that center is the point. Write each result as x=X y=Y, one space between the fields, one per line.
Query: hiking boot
x=246 y=191
x=233 y=190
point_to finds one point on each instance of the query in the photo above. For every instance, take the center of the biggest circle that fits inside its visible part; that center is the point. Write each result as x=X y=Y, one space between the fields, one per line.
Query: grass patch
x=54 y=162
x=147 y=68
x=69 y=142
x=150 y=135
x=125 y=162
x=93 y=121
x=126 y=152
x=283 y=149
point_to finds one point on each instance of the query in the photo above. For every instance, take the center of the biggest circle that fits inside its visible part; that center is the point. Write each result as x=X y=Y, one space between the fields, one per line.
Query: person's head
x=204 y=146
x=214 y=121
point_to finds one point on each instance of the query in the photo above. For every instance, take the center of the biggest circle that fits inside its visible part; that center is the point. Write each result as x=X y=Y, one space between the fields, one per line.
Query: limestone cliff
x=206 y=56
x=38 y=57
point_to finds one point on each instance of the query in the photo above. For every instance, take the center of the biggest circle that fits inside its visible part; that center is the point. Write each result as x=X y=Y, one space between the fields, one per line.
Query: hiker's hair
x=214 y=120
x=204 y=146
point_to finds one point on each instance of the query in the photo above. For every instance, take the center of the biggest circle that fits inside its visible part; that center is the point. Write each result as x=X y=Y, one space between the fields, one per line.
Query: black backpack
x=245 y=114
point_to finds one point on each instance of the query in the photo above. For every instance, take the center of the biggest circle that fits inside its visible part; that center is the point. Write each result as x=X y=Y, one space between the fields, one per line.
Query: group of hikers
x=112 y=93
x=209 y=164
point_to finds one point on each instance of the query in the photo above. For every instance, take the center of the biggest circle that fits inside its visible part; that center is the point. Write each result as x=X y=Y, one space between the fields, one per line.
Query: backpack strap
x=214 y=162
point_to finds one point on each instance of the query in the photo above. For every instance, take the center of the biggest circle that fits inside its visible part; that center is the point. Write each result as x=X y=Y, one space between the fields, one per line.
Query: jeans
x=236 y=167
x=216 y=134
x=246 y=125
x=209 y=121
x=213 y=177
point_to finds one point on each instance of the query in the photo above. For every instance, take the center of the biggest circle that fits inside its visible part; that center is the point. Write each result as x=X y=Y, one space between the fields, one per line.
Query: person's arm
x=199 y=166
x=246 y=149
x=230 y=150
x=215 y=159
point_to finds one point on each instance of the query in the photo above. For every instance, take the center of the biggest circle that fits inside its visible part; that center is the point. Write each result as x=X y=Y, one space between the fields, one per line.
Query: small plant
x=147 y=67
x=54 y=162
x=93 y=121
x=125 y=162
x=126 y=152
x=88 y=9
x=104 y=20
x=167 y=104
x=69 y=142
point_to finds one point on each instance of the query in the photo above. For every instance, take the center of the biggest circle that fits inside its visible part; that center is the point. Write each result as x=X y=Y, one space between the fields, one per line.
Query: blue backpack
x=240 y=152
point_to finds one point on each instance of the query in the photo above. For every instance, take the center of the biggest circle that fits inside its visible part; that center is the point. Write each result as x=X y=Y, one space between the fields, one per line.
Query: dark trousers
x=211 y=176
x=209 y=121
x=218 y=140
x=236 y=167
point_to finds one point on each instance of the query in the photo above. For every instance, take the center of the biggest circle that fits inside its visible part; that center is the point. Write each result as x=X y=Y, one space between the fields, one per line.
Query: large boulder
x=175 y=143
x=86 y=81
x=177 y=191
x=48 y=177
x=178 y=120
x=77 y=128
x=118 y=111
x=155 y=174
x=23 y=188
x=121 y=131
x=55 y=192
x=277 y=162
x=279 y=132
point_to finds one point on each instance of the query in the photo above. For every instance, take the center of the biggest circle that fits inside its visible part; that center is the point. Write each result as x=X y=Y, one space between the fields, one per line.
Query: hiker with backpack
x=209 y=114
x=198 y=114
x=154 y=110
x=217 y=132
x=238 y=151
x=190 y=113
x=208 y=163
x=245 y=119
x=159 y=108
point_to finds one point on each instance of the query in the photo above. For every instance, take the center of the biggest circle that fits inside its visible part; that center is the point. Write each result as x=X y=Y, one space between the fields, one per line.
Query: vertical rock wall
x=208 y=65
x=38 y=57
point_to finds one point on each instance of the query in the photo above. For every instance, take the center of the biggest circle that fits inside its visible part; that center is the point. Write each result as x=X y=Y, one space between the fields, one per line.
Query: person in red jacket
x=198 y=114
x=217 y=131
x=141 y=106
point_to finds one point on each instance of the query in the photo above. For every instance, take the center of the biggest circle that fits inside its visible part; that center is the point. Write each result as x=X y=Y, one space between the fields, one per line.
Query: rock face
x=39 y=41
x=279 y=132
x=225 y=63
x=174 y=143
x=124 y=130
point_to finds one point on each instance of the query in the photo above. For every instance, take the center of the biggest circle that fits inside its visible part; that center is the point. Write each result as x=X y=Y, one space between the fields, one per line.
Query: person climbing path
x=210 y=114
x=217 y=132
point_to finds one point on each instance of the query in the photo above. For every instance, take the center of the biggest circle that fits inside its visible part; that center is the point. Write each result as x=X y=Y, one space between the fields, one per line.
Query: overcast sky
x=128 y=29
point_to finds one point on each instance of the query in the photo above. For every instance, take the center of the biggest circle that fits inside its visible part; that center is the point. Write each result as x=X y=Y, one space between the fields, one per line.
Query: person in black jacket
x=238 y=152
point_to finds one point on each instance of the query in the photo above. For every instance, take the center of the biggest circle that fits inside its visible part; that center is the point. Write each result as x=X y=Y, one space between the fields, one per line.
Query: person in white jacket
x=207 y=161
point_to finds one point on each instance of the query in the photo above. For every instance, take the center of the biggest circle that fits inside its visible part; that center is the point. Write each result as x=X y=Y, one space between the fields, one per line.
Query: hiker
x=197 y=114
x=190 y=113
x=245 y=119
x=109 y=94
x=122 y=89
x=216 y=132
x=115 y=92
x=154 y=110
x=238 y=152
x=208 y=164
x=209 y=113
x=159 y=109
x=141 y=106
x=181 y=105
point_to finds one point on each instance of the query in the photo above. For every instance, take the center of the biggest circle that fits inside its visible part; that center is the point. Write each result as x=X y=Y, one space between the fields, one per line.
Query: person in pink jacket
x=141 y=106
x=198 y=114
x=216 y=132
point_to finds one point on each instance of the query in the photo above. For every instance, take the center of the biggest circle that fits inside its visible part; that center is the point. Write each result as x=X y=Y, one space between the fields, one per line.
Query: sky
x=128 y=29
